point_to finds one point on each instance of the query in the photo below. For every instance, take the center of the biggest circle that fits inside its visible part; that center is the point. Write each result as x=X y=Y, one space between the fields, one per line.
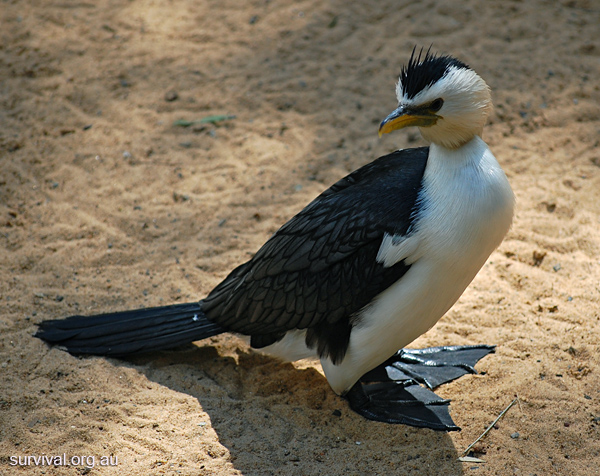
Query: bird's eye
x=436 y=105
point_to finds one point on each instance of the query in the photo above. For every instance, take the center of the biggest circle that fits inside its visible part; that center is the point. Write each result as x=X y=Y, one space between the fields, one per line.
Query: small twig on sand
x=487 y=430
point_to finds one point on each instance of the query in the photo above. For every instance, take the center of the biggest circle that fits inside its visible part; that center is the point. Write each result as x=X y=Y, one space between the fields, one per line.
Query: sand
x=106 y=204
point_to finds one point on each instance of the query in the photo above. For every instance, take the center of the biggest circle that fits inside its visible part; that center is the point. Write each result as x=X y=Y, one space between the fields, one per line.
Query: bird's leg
x=391 y=392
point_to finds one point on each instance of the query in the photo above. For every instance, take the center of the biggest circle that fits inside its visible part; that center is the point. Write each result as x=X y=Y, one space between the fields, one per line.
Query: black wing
x=320 y=268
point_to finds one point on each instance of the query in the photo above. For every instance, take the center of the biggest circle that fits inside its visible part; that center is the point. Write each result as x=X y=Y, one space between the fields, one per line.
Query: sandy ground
x=105 y=204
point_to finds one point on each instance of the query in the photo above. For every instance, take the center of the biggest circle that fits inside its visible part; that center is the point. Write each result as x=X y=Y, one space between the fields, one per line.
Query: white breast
x=465 y=210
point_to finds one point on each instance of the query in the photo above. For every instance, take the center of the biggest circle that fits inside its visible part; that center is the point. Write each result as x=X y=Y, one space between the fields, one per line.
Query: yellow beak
x=406 y=117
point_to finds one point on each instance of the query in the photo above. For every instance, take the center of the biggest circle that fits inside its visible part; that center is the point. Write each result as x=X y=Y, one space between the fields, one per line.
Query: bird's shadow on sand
x=277 y=419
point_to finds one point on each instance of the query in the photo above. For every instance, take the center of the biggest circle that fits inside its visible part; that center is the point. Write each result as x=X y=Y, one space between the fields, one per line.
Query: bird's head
x=443 y=97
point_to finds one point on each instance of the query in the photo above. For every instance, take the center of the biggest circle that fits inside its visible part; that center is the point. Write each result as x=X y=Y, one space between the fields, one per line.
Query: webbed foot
x=392 y=392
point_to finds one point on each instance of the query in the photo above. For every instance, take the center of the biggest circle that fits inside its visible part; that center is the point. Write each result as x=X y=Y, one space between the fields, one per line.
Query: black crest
x=421 y=73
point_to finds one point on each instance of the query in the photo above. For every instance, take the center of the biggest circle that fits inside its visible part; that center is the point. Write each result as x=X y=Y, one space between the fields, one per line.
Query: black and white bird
x=366 y=268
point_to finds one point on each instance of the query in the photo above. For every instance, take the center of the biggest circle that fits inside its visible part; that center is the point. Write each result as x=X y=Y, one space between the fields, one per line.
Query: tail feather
x=129 y=332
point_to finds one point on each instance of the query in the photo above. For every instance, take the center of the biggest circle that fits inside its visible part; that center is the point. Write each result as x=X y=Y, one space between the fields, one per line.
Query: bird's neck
x=450 y=138
x=452 y=157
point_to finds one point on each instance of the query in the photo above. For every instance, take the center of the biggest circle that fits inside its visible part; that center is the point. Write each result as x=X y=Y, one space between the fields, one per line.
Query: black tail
x=129 y=332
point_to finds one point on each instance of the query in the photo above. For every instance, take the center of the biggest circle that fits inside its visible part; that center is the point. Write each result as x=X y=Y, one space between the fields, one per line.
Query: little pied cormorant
x=367 y=267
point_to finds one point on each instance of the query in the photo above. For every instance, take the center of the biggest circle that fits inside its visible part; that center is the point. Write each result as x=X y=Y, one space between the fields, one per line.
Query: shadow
x=277 y=419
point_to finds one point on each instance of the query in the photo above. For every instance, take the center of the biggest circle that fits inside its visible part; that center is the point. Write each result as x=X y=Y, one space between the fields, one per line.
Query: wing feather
x=320 y=269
